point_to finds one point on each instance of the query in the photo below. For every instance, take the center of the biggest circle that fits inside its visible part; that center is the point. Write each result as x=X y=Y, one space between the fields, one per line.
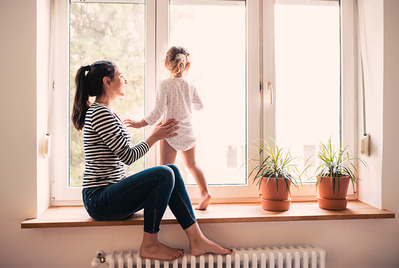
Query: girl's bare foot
x=151 y=248
x=204 y=246
x=204 y=202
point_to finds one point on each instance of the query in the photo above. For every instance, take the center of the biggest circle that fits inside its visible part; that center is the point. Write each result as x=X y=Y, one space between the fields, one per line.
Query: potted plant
x=335 y=171
x=274 y=174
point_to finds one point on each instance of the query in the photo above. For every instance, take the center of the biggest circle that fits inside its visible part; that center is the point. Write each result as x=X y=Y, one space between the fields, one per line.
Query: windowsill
x=216 y=213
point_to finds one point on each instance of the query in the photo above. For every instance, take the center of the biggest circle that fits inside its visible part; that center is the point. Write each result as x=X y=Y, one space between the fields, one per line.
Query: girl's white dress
x=175 y=99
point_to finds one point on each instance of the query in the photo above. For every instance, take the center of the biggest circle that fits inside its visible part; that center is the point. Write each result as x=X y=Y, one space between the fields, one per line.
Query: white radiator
x=282 y=257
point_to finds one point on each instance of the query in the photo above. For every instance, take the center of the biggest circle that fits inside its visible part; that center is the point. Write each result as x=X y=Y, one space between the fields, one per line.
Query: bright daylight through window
x=223 y=40
x=116 y=34
x=219 y=70
x=119 y=34
x=307 y=66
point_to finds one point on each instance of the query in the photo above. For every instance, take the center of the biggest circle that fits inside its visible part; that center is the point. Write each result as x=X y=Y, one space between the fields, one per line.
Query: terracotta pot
x=276 y=205
x=272 y=199
x=332 y=204
x=332 y=196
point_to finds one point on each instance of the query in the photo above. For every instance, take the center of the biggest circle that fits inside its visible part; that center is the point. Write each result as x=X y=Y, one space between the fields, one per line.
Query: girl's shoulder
x=174 y=81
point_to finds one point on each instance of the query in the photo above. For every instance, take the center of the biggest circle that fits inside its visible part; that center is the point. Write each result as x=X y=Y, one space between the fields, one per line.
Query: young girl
x=175 y=99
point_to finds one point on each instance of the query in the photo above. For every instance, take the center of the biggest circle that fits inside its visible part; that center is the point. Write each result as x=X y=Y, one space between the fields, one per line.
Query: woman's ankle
x=152 y=248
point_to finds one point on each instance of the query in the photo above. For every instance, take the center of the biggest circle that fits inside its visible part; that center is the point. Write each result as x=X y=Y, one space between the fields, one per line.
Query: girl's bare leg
x=200 y=245
x=168 y=154
x=151 y=248
x=195 y=170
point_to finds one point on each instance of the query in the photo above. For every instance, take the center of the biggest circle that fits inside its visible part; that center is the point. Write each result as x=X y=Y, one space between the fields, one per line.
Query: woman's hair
x=89 y=83
x=177 y=59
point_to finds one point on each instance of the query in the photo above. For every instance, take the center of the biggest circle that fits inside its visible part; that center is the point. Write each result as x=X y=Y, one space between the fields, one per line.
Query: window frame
x=228 y=193
x=348 y=109
x=260 y=70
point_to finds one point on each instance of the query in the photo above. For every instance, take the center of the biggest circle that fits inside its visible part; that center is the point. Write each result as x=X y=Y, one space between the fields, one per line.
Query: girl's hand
x=163 y=130
x=135 y=124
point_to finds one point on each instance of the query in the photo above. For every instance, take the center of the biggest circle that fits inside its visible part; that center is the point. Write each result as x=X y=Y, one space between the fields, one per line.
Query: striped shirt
x=106 y=146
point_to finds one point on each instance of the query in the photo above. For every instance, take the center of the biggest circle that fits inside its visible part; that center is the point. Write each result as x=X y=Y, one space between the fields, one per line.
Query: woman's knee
x=167 y=176
x=176 y=172
x=174 y=168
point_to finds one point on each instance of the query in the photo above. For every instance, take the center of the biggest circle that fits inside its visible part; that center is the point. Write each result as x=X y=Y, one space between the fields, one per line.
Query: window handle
x=269 y=92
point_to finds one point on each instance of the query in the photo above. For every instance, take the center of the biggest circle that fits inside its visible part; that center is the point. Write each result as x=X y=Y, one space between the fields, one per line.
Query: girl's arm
x=160 y=107
x=135 y=124
x=198 y=105
x=154 y=115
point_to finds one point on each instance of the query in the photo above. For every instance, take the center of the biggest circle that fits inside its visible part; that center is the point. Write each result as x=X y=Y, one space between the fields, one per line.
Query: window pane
x=214 y=33
x=307 y=58
x=115 y=32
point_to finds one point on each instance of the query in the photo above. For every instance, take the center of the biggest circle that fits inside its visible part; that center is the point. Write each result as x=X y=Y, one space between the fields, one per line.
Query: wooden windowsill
x=216 y=213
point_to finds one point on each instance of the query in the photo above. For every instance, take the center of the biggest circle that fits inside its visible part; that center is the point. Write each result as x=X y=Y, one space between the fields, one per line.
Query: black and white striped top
x=106 y=146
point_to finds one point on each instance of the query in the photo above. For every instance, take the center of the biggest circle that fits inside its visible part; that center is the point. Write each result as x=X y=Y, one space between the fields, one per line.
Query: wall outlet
x=365 y=144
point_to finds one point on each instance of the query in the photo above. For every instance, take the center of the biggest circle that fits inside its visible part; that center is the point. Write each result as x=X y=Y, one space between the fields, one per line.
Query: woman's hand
x=135 y=124
x=162 y=130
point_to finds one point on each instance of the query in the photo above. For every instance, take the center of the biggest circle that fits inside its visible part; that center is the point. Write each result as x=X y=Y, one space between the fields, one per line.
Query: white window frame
x=230 y=193
x=260 y=69
x=349 y=115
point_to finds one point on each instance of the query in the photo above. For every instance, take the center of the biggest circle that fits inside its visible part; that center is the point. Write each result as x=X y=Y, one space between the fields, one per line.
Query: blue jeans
x=152 y=190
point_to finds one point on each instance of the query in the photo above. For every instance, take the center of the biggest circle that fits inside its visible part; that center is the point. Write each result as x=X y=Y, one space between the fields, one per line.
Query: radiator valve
x=99 y=259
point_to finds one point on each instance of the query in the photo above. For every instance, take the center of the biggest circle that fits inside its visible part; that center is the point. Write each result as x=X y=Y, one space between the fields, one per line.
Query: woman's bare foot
x=205 y=246
x=161 y=252
x=204 y=201
x=151 y=248
x=200 y=245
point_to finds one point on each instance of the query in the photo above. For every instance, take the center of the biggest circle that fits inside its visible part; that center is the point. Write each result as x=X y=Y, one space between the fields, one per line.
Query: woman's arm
x=105 y=124
x=161 y=131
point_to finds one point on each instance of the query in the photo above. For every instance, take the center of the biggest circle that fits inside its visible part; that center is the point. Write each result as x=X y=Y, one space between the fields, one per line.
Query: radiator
x=282 y=257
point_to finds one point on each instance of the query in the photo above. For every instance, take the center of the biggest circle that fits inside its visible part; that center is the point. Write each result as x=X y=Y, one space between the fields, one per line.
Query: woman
x=109 y=195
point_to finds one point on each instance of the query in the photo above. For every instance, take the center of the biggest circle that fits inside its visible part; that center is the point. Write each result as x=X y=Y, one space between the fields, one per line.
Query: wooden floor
x=216 y=213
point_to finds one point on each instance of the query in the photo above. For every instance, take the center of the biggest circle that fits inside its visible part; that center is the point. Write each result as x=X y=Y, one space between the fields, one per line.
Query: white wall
x=371 y=25
x=42 y=95
x=350 y=243
x=390 y=107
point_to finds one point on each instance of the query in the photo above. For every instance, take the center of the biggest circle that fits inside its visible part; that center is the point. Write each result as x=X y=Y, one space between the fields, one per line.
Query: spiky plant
x=274 y=163
x=335 y=163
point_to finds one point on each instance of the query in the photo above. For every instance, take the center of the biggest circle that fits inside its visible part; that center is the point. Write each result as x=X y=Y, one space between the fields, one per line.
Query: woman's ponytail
x=81 y=103
x=89 y=82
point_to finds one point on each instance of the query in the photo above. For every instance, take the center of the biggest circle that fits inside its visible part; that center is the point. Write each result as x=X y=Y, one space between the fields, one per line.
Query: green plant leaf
x=276 y=162
x=335 y=163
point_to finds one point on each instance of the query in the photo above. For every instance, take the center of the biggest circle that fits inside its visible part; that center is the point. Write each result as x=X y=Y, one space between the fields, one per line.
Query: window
x=222 y=148
x=118 y=34
x=227 y=67
x=307 y=67
x=218 y=52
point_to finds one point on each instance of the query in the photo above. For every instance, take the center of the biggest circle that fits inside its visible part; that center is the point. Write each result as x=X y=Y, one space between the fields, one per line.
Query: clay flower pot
x=273 y=199
x=332 y=195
